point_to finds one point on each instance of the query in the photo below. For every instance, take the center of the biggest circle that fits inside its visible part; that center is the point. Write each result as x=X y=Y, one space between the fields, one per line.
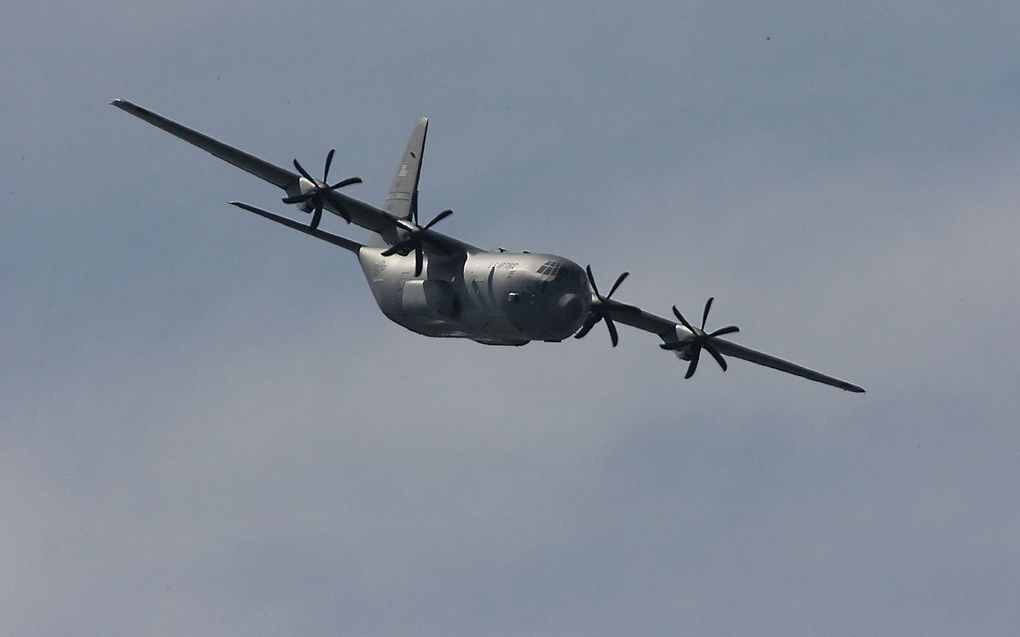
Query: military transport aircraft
x=436 y=285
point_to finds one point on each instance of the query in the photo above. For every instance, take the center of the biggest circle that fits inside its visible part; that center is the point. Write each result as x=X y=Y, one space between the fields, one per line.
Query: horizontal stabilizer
x=346 y=244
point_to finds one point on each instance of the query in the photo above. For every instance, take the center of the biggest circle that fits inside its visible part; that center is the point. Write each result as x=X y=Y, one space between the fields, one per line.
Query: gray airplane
x=436 y=285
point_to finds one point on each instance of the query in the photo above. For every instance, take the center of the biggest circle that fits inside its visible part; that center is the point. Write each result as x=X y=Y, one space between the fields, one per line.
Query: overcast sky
x=207 y=427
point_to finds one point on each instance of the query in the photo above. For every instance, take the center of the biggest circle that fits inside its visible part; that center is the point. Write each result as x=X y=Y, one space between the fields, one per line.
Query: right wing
x=739 y=351
x=672 y=332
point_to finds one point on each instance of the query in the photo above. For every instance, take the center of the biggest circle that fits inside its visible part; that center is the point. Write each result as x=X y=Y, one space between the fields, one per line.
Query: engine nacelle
x=683 y=353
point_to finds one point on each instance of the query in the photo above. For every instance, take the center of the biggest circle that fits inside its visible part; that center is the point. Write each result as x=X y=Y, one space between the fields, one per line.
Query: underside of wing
x=739 y=351
x=679 y=338
x=260 y=168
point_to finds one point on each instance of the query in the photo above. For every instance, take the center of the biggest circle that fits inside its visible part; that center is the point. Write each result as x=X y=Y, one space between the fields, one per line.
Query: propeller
x=415 y=235
x=600 y=308
x=700 y=339
x=320 y=189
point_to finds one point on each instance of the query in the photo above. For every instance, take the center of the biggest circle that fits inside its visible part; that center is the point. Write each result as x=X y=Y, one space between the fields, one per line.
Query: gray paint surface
x=190 y=397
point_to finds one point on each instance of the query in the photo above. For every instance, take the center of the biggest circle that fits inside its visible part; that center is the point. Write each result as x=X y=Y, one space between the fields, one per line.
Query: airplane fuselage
x=496 y=298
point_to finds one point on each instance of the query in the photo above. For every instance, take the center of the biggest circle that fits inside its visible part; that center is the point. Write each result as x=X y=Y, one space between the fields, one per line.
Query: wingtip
x=130 y=107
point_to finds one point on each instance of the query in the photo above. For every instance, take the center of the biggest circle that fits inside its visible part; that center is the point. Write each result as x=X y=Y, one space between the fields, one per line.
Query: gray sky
x=207 y=428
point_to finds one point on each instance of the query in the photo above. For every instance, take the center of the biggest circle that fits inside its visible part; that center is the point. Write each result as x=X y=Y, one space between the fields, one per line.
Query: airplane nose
x=571 y=307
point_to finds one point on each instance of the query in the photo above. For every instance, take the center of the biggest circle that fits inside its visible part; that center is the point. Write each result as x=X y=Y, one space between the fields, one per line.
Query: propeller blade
x=317 y=217
x=602 y=305
x=683 y=321
x=403 y=224
x=717 y=356
x=304 y=173
x=442 y=215
x=700 y=339
x=704 y=317
x=620 y=279
x=588 y=324
x=417 y=260
x=346 y=182
x=613 y=336
x=695 y=355
x=299 y=198
x=393 y=249
x=329 y=160
x=724 y=331
x=591 y=279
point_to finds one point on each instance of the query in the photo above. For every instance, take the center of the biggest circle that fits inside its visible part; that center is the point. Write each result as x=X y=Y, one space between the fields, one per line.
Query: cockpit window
x=558 y=271
x=551 y=268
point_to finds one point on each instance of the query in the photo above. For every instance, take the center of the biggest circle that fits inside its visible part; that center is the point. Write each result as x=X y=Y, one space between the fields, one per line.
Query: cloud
x=208 y=427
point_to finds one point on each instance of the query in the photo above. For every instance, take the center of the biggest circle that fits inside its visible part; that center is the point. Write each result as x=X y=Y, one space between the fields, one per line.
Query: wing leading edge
x=672 y=332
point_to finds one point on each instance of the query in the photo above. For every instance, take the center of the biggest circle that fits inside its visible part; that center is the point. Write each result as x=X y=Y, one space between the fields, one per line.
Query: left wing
x=674 y=334
x=260 y=168
x=358 y=212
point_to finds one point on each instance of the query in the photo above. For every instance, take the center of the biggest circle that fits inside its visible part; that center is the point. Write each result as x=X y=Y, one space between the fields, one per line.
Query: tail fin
x=403 y=198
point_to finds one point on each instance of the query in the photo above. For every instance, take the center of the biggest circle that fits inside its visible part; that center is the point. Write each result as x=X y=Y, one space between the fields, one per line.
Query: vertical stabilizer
x=403 y=198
